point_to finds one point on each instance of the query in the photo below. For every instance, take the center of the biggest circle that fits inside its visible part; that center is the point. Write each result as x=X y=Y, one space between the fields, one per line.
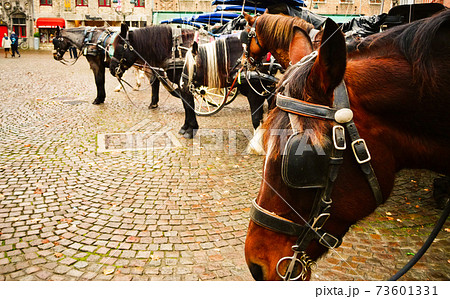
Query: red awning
x=50 y=22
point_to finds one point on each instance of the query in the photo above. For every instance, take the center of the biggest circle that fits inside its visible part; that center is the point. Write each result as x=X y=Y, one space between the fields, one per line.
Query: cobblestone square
x=77 y=202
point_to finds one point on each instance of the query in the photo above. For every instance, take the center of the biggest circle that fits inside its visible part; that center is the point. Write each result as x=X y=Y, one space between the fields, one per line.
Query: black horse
x=218 y=64
x=159 y=48
x=96 y=45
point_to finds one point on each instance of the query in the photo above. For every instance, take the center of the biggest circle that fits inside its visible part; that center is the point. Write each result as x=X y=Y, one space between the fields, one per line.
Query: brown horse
x=275 y=33
x=396 y=85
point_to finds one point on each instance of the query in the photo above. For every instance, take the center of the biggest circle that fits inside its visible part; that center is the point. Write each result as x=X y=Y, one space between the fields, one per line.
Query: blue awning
x=259 y=3
x=184 y=21
x=239 y=8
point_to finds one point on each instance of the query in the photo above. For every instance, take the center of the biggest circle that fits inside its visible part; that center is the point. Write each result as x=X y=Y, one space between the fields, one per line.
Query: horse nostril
x=256 y=271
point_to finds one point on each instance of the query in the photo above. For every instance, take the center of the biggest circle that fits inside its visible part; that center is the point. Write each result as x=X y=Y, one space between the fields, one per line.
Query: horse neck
x=75 y=36
x=148 y=49
x=407 y=129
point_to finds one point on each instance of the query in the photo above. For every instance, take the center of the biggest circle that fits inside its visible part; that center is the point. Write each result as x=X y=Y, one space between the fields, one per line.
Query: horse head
x=124 y=54
x=303 y=208
x=254 y=49
x=276 y=34
x=60 y=45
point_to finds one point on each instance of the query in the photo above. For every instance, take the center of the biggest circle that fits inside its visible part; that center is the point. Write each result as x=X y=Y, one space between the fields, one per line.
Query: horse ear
x=123 y=30
x=195 y=48
x=250 y=20
x=300 y=45
x=58 y=31
x=266 y=11
x=329 y=68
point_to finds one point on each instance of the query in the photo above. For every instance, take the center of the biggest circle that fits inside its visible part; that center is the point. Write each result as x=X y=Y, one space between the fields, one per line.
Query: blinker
x=244 y=37
x=302 y=166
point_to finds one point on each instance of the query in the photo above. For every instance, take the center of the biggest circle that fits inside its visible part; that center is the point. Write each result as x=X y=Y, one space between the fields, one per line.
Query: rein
x=155 y=70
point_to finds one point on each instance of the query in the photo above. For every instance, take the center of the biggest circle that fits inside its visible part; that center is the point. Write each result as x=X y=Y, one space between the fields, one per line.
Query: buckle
x=366 y=150
x=339 y=137
x=325 y=243
x=318 y=219
x=252 y=32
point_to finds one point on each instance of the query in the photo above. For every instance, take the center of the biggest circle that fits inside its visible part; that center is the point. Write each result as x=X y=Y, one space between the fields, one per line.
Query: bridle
x=120 y=69
x=246 y=38
x=60 y=53
x=342 y=117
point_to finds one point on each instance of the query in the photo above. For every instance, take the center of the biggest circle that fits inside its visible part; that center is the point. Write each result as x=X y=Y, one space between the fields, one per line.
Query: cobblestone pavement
x=75 y=204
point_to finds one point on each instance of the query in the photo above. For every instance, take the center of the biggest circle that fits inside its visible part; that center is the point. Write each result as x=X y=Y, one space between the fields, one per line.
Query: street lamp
x=118 y=8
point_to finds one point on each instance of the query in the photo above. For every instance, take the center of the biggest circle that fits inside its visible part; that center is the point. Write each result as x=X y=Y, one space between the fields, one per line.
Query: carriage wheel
x=209 y=101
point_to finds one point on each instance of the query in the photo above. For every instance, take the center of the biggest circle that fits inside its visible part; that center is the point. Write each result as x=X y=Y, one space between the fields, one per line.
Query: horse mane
x=417 y=42
x=154 y=43
x=215 y=59
x=280 y=26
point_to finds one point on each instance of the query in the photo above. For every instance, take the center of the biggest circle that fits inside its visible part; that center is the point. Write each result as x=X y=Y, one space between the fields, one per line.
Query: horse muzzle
x=57 y=56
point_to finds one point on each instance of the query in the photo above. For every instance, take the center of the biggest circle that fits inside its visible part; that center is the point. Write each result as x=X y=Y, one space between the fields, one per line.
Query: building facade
x=17 y=16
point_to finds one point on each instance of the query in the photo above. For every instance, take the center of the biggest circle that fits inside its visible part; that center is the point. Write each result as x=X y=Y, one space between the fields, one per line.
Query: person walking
x=6 y=44
x=14 y=44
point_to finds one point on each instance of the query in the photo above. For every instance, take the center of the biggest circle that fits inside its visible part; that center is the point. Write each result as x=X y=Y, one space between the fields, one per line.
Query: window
x=46 y=2
x=82 y=2
x=104 y=3
x=345 y=1
x=319 y=1
x=139 y=3
x=374 y=1
x=19 y=26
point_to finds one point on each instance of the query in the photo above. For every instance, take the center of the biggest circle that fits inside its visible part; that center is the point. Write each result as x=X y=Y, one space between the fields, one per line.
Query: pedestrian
x=6 y=44
x=14 y=44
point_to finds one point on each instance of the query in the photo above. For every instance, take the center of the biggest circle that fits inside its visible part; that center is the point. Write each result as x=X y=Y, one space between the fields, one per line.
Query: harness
x=307 y=161
x=246 y=38
x=160 y=73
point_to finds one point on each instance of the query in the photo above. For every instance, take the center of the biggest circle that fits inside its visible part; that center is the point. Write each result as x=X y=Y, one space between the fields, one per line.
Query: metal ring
x=292 y=259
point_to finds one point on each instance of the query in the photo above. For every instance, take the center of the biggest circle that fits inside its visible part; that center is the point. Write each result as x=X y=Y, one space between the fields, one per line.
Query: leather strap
x=300 y=107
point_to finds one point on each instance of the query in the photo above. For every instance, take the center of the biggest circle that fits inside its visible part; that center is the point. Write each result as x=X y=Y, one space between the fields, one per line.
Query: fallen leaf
x=56 y=243
x=133 y=239
x=399 y=220
x=154 y=257
x=45 y=241
x=426 y=189
x=388 y=213
x=58 y=254
x=410 y=253
x=390 y=218
x=27 y=145
x=447 y=230
x=417 y=206
x=108 y=270
x=38 y=191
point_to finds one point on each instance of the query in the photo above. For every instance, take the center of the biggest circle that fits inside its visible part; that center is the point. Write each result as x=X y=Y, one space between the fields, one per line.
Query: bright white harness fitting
x=343 y=115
